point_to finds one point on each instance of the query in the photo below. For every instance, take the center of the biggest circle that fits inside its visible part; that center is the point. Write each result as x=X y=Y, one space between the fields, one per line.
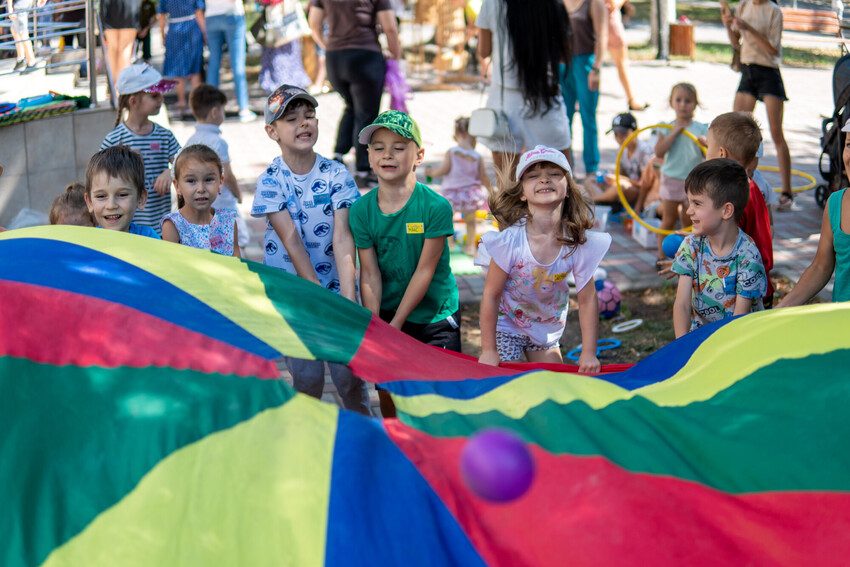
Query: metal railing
x=46 y=31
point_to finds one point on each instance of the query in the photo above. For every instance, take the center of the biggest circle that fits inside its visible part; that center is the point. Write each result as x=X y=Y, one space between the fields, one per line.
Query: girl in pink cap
x=543 y=238
x=141 y=88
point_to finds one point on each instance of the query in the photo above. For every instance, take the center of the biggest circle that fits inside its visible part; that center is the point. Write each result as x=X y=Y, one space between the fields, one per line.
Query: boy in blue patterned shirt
x=305 y=198
x=720 y=269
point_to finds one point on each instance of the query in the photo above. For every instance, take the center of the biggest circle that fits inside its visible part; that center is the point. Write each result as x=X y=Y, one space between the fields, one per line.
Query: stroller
x=832 y=138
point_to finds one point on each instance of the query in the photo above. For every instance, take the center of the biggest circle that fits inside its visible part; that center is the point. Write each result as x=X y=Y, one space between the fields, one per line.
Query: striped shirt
x=157 y=149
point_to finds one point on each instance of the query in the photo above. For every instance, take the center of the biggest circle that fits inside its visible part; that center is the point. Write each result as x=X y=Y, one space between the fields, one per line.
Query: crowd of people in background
x=324 y=220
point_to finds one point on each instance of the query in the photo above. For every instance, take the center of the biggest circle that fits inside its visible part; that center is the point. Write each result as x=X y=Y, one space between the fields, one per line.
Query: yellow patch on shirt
x=416 y=228
x=559 y=277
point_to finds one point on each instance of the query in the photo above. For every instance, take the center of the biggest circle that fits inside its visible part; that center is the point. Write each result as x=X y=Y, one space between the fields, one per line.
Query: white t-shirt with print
x=633 y=165
x=311 y=200
x=536 y=296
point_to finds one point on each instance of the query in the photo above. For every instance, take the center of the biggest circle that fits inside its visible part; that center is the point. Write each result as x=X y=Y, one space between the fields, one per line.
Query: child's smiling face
x=544 y=184
x=391 y=156
x=113 y=201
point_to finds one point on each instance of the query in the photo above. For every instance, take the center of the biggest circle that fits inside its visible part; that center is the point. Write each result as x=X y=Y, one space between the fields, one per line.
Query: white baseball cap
x=542 y=153
x=141 y=77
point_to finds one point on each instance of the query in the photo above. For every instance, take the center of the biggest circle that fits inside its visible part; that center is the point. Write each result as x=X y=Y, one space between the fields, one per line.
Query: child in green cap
x=400 y=230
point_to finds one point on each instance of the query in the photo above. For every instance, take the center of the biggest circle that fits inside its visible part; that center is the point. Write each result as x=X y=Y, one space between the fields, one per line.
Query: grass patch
x=699 y=12
x=722 y=53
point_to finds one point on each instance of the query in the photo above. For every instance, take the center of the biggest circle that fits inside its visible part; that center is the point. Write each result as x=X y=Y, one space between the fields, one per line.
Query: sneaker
x=20 y=64
x=247 y=115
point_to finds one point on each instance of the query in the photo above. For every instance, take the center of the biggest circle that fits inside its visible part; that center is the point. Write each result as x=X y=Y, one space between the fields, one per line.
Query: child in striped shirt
x=141 y=88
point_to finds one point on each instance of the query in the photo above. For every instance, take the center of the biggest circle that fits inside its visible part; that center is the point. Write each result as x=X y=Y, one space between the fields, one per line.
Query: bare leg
x=119 y=49
x=683 y=216
x=181 y=93
x=19 y=47
x=553 y=355
x=775 y=110
x=471 y=233
x=744 y=102
x=609 y=195
x=620 y=56
x=387 y=404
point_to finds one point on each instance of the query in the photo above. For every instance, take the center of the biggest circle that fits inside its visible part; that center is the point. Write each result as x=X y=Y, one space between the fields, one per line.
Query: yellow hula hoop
x=622 y=196
x=812 y=182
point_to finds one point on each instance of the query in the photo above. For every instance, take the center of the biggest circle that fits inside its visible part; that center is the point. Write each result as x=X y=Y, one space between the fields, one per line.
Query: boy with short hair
x=305 y=198
x=719 y=266
x=400 y=229
x=115 y=189
x=207 y=104
x=737 y=136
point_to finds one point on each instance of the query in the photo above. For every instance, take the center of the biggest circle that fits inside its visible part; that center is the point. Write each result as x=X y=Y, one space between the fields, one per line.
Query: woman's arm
x=682 y=306
x=588 y=320
x=494 y=286
x=370 y=280
x=728 y=18
x=202 y=23
x=418 y=285
x=291 y=239
x=163 y=18
x=343 y=243
x=316 y=19
x=817 y=275
x=485 y=43
x=599 y=15
x=386 y=18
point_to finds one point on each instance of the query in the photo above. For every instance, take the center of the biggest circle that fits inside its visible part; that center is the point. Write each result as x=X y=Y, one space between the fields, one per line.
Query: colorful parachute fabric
x=144 y=425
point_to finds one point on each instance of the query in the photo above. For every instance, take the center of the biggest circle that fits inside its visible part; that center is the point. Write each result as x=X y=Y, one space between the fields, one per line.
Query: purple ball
x=497 y=466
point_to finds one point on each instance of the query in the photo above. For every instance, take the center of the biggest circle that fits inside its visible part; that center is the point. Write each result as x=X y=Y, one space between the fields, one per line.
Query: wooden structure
x=825 y=25
x=682 y=40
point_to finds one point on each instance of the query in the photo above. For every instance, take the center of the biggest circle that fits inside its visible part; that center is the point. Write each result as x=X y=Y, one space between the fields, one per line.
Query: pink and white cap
x=141 y=77
x=542 y=153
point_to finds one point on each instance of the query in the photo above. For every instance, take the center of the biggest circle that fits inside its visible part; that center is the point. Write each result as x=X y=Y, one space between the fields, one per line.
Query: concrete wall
x=43 y=156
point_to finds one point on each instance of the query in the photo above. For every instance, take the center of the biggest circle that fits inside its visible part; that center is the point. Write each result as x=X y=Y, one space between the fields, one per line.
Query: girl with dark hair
x=526 y=41
x=580 y=77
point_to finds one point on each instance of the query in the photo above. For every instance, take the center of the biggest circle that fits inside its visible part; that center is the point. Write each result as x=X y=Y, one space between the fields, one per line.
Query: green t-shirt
x=398 y=239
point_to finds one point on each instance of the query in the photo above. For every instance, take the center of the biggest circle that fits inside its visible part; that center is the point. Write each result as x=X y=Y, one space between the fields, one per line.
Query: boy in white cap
x=141 y=88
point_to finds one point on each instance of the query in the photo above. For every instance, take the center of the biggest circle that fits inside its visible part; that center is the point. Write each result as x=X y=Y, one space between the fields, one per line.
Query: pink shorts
x=672 y=189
